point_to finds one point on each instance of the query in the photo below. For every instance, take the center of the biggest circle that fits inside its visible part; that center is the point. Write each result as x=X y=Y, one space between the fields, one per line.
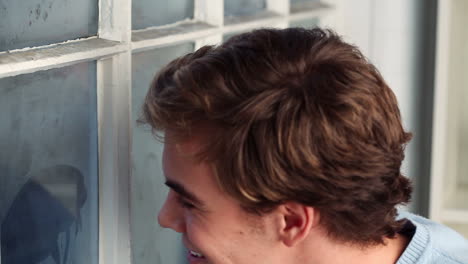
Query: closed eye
x=184 y=203
x=186 y=197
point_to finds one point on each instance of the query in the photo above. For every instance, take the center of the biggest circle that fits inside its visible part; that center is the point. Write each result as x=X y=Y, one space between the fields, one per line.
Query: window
x=48 y=160
x=449 y=188
x=72 y=78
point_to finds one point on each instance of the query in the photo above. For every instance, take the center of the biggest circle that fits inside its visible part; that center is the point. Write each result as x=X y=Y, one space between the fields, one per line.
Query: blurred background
x=73 y=75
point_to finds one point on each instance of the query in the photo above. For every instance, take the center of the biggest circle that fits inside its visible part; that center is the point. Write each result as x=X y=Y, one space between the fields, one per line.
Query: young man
x=285 y=146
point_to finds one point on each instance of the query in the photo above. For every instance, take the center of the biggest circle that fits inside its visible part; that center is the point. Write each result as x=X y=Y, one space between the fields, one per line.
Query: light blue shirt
x=432 y=243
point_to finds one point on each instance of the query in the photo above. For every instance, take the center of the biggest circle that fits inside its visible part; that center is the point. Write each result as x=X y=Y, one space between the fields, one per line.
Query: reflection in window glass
x=150 y=13
x=306 y=23
x=48 y=167
x=456 y=180
x=150 y=242
x=243 y=7
x=41 y=22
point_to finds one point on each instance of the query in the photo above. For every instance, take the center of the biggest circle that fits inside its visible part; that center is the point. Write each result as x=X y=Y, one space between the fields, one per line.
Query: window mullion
x=114 y=115
x=278 y=6
x=213 y=15
x=211 y=12
x=115 y=20
x=332 y=19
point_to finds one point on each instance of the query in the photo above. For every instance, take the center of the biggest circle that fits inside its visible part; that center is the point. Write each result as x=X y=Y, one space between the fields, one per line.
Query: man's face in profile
x=215 y=228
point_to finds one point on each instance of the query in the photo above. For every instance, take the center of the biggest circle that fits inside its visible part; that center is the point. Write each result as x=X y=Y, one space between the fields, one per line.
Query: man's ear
x=296 y=222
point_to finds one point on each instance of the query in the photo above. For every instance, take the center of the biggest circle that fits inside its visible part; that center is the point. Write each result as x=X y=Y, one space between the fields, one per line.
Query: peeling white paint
x=44 y=58
x=168 y=26
x=46 y=46
x=162 y=36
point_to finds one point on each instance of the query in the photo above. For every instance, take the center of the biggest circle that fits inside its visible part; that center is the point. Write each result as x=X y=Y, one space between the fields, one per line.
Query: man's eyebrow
x=178 y=188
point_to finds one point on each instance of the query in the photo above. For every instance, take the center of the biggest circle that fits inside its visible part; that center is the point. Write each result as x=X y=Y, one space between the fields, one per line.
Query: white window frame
x=112 y=49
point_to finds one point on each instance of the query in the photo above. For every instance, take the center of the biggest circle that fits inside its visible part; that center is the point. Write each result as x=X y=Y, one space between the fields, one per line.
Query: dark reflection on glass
x=48 y=167
x=46 y=206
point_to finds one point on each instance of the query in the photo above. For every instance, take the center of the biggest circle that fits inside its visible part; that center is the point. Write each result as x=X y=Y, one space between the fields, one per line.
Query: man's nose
x=171 y=214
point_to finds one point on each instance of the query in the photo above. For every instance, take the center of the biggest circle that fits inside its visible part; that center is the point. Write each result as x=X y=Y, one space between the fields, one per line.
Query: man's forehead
x=180 y=158
x=185 y=148
x=190 y=143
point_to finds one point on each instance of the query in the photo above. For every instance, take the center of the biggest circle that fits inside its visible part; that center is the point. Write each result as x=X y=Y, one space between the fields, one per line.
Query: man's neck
x=332 y=252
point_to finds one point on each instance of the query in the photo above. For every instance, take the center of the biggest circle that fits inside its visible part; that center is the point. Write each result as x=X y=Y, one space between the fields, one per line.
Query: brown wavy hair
x=295 y=115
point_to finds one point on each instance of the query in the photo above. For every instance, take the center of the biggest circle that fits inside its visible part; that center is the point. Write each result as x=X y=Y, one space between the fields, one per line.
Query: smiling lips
x=196 y=254
x=195 y=257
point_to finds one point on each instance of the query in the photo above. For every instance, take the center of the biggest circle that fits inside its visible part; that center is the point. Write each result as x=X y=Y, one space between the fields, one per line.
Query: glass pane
x=150 y=13
x=150 y=242
x=232 y=34
x=48 y=167
x=306 y=23
x=298 y=6
x=304 y=1
x=243 y=7
x=456 y=180
x=41 y=22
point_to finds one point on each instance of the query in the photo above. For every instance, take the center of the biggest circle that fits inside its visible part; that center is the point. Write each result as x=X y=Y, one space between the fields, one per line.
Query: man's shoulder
x=446 y=258
x=438 y=243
